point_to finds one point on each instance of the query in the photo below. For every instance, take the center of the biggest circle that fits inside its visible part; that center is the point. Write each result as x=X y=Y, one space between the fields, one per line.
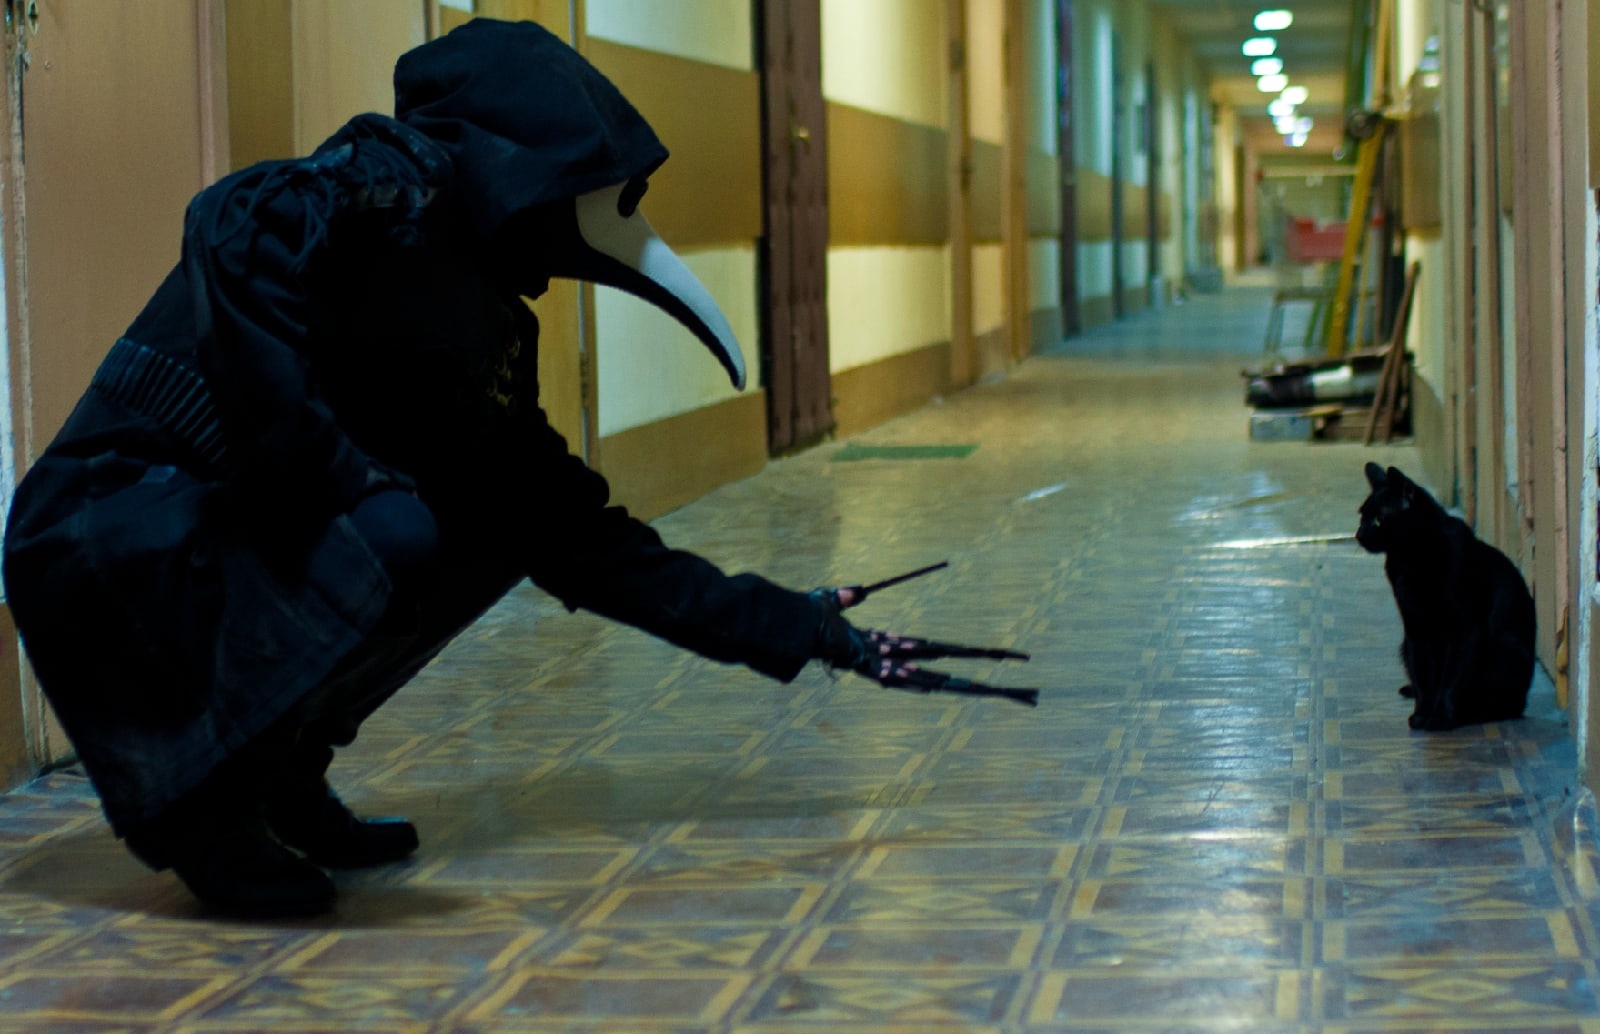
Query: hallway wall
x=1118 y=47
x=620 y=380
x=1506 y=351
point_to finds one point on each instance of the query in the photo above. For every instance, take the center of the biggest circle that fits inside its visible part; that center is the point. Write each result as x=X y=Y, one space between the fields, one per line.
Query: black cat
x=1466 y=612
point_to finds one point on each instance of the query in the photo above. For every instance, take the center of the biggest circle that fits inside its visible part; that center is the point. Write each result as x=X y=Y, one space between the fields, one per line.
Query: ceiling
x=1314 y=51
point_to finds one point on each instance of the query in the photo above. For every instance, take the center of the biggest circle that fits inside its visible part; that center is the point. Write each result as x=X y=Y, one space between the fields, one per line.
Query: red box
x=1305 y=241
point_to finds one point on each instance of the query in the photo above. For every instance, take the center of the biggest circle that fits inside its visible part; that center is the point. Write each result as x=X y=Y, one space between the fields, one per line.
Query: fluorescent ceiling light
x=1297 y=140
x=1272 y=83
x=1274 y=20
x=1266 y=66
x=1280 y=107
x=1260 y=46
x=1296 y=94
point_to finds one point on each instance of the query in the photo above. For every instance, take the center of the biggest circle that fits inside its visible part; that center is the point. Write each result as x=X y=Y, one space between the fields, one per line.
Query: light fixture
x=1296 y=94
x=1266 y=66
x=1285 y=125
x=1274 y=20
x=1272 y=83
x=1260 y=46
x=1297 y=140
x=1280 y=107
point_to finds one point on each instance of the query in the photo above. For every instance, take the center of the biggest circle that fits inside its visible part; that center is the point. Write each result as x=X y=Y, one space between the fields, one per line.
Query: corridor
x=1216 y=819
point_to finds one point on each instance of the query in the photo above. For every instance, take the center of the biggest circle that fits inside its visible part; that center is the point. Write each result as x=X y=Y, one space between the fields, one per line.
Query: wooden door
x=1067 y=155
x=115 y=125
x=794 y=251
x=1119 y=148
x=1149 y=128
x=117 y=136
x=958 y=174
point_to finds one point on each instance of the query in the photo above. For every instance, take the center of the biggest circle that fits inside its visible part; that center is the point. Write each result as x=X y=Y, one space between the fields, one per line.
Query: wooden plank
x=1383 y=404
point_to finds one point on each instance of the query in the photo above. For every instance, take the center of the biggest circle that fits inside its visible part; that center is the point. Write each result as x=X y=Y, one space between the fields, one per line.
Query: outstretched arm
x=596 y=556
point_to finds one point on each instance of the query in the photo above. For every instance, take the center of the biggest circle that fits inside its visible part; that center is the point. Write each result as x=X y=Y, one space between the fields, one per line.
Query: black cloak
x=180 y=562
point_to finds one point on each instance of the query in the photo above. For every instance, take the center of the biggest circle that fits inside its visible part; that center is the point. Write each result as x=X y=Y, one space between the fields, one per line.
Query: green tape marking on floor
x=853 y=451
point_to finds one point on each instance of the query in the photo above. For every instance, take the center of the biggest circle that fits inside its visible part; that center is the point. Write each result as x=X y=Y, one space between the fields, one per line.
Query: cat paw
x=1407 y=692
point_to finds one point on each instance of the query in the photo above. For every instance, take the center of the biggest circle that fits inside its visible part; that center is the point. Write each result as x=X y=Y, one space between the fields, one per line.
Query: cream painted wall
x=886 y=56
x=1040 y=16
x=1092 y=87
x=1135 y=262
x=1094 y=269
x=650 y=367
x=718 y=32
x=985 y=62
x=344 y=55
x=984 y=72
x=1426 y=337
x=1429 y=318
x=1133 y=29
x=886 y=301
x=1225 y=130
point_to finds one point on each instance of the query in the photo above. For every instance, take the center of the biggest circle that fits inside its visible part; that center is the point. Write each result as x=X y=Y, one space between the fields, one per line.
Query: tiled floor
x=1216 y=820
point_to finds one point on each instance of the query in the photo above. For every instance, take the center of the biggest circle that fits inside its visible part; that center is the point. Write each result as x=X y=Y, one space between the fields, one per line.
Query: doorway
x=794 y=247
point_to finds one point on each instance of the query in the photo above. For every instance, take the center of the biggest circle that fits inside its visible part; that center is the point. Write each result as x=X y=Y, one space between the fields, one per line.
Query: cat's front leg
x=1435 y=711
x=1406 y=661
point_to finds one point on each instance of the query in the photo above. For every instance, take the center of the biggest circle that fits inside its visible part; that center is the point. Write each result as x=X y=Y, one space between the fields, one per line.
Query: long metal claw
x=924 y=681
x=861 y=592
x=921 y=680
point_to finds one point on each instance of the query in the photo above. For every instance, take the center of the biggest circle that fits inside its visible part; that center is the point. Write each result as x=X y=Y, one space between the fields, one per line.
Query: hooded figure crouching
x=317 y=455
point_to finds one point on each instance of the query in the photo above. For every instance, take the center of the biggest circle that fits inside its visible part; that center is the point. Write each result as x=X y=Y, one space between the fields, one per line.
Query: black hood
x=525 y=118
x=550 y=162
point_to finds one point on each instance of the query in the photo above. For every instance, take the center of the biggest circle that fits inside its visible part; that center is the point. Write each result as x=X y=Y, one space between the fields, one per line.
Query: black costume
x=318 y=454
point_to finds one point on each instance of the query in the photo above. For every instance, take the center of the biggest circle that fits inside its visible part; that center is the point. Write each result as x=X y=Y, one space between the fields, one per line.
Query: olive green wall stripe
x=886 y=180
x=865 y=396
x=985 y=192
x=1044 y=194
x=662 y=465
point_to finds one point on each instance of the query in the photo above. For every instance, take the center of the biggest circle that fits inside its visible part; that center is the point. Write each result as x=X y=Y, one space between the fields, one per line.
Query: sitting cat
x=1467 y=615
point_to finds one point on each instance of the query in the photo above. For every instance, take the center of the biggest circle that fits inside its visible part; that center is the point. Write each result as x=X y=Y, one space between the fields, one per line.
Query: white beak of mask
x=607 y=241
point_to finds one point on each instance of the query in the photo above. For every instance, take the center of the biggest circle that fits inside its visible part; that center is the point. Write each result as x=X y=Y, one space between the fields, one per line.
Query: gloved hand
x=886 y=658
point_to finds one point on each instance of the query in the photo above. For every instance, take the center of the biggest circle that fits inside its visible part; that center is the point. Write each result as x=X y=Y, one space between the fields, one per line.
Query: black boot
x=305 y=813
x=219 y=846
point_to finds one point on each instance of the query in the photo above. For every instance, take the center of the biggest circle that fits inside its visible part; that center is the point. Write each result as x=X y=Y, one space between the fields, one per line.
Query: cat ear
x=1374 y=475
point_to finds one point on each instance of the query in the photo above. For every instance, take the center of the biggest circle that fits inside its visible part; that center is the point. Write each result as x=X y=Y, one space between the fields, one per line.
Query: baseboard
x=660 y=466
x=865 y=396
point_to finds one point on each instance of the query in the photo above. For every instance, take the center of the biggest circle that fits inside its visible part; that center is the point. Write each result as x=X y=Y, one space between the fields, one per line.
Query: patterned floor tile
x=1507 y=994
x=1159 y=1001
x=905 y=1000
x=1204 y=941
x=614 y=1000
